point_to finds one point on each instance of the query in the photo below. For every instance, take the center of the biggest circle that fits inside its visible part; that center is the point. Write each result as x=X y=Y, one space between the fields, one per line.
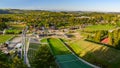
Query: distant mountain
x=15 y=11
x=10 y=11
x=4 y=11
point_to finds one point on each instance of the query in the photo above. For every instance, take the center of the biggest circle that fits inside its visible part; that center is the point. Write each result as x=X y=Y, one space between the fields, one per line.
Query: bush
x=13 y=31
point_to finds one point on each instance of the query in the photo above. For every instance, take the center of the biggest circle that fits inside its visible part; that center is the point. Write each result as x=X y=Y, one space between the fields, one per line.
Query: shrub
x=13 y=31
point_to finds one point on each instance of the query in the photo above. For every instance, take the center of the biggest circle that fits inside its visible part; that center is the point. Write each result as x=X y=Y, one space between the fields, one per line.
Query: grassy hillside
x=100 y=55
x=58 y=47
x=4 y=38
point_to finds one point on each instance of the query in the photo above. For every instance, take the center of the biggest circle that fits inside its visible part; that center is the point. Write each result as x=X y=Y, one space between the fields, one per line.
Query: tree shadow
x=104 y=57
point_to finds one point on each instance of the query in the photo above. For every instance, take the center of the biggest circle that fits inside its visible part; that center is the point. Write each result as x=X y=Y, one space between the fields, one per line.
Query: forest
x=62 y=19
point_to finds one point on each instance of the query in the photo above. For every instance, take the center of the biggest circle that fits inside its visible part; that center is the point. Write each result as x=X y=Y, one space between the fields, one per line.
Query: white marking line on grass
x=67 y=61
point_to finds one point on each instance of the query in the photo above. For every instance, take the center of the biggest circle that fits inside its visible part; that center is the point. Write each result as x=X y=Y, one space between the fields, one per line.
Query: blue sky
x=74 y=5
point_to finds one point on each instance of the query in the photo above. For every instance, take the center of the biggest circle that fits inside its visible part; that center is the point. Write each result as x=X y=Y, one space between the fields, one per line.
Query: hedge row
x=13 y=32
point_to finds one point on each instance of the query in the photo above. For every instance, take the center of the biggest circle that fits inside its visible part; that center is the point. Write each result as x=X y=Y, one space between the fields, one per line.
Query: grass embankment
x=4 y=38
x=100 y=55
x=57 y=47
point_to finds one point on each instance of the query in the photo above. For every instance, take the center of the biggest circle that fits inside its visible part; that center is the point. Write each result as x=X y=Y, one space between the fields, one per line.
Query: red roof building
x=105 y=41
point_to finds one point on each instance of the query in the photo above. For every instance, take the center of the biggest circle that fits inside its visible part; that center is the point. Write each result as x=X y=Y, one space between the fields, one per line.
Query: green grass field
x=90 y=30
x=57 y=47
x=44 y=40
x=4 y=38
x=99 y=27
x=100 y=55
